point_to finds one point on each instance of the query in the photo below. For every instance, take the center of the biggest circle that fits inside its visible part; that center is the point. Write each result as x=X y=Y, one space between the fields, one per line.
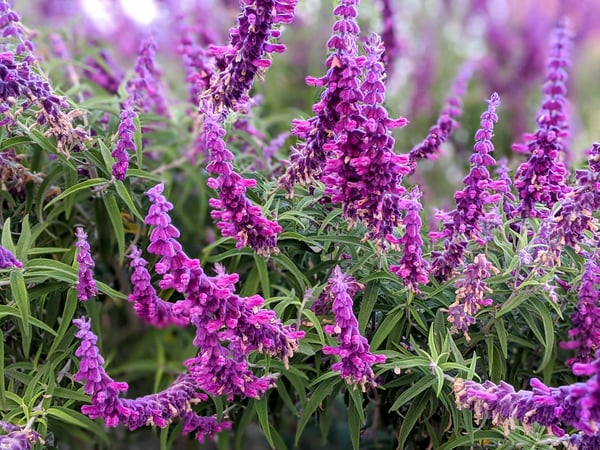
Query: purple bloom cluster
x=245 y=55
x=471 y=294
x=391 y=43
x=86 y=285
x=338 y=104
x=356 y=361
x=125 y=144
x=237 y=216
x=412 y=268
x=464 y=222
x=542 y=178
x=10 y=24
x=8 y=260
x=576 y=405
x=228 y=327
x=145 y=89
x=155 y=410
x=585 y=333
x=18 y=438
x=446 y=124
x=108 y=75
x=363 y=172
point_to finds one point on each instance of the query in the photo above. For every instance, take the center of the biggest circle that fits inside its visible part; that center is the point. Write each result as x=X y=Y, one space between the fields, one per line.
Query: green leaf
x=411 y=392
x=366 y=306
x=410 y=419
x=7 y=241
x=319 y=394
x=2 y=376
x=66 y=318
x=24 y=242
x=127 y=199
x=19 y=294
x=114 y=215
x=502 y=336
x=389 y=323
x=87 y=184
x=263 y=418
x=68 y=416
x=263 y=275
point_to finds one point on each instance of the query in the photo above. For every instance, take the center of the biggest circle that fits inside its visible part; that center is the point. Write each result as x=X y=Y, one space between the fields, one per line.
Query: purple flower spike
x=446 y=124
x=246 y=54
x=145 y=89
x=156 y=409
x=125 y=143
x=107 y=75
x=465 y=222
x=356 y=361
x=18 y=438
x=585 y=334
x=86 y=285
x=471 y=294
x=412 y=269
x=542 y=179
x=363 y=173
x=237 y=216
x=10 y=26
x=8 y=260
x=576 y=405
x=337 y=107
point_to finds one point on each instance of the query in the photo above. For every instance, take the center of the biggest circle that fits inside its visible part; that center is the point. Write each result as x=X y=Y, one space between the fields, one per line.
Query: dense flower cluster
x=446 y=124
x=363 y=173
x=86 y=285
x=245 y=55
x=18 y=438
x=542 y=178
x=8 y=260
x=237 y=216
x=471 y=294
x=356 y=360
x=585 y=333
x=412 y=268
x=156 y=409
x=338 y=100
x=576 y=405
x=125 y=143
x=464 y=222
x=24 y=86
x=219 y=315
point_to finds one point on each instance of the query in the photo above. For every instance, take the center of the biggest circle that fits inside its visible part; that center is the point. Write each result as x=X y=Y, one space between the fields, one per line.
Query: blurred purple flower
x=8 y=260
x=107 y=74
x=125 y=144
x=446 y=124
x=471 y=294
x=86 y=285
x=356 y=361
x=18 y=438
x=145 y=89
x=542 y=179
x=393 y=45
x=584 y=336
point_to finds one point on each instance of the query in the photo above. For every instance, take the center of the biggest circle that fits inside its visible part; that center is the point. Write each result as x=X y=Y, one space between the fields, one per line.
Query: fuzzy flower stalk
x=8 y=260
x=356 y=360
x=465 y=222
x=338 y=102
x=362 y=171
x=125 y=143
x=86 y=285
x=541 y=180
x=245 y=56
x=236 y=216
x=446 y=123
x=17 y=437
x=228 y=327
x=471 y=294
x=576 y=405
x=585 y=332
x=151 y=410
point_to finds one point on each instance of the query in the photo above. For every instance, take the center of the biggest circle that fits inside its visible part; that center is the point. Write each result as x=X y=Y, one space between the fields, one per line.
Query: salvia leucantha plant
x=198 y=245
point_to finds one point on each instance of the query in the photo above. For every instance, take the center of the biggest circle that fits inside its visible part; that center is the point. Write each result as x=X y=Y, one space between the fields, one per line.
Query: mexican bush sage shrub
x=200 y=241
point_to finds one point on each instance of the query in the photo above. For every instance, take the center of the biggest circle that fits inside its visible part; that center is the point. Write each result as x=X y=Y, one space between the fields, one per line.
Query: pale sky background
x=143 y=11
